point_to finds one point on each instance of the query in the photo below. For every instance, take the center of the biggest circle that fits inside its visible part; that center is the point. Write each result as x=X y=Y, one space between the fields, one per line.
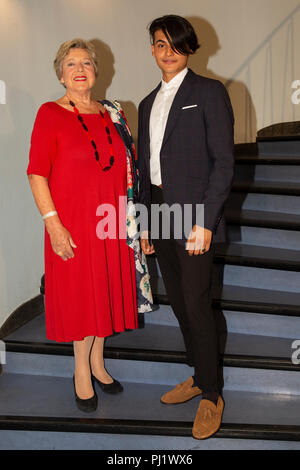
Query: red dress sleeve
x=43 y=143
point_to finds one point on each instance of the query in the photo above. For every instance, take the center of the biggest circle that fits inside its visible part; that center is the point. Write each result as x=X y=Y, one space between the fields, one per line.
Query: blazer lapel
x=148 y=106
x=180 y=100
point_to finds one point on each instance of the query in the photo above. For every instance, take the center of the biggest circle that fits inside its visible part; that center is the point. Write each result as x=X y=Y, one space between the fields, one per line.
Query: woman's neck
x=83 y=98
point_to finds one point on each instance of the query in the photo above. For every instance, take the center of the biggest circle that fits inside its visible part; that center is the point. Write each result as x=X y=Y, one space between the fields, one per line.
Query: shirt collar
x=175 y=82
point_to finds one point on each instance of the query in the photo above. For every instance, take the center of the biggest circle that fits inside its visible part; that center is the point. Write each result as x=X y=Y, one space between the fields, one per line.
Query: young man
x=186 y=157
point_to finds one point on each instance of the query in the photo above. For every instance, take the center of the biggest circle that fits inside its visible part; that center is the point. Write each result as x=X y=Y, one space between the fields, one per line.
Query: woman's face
x=78 y=72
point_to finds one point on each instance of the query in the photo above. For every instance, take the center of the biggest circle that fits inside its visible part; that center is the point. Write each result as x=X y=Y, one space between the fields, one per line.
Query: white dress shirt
x=158 y=120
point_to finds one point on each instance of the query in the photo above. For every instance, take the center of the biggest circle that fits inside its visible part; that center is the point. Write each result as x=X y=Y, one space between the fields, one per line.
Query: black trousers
x=188 y=281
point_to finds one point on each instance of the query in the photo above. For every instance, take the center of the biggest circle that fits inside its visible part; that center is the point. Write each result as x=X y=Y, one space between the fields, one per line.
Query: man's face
x=170 y=62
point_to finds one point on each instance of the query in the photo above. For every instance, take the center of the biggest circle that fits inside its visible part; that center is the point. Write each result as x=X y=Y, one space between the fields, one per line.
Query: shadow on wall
x=245 y=126
x=106 y=62
x=243 y=108
x=244 y=112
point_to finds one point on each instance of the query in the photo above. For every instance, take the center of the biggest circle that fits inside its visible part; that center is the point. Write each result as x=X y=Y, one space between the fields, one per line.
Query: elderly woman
x=82 y=155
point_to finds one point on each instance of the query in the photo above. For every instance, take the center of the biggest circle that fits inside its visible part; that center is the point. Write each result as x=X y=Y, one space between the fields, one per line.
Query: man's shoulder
x=154 y=91
x=206 y=82
x=196 y=80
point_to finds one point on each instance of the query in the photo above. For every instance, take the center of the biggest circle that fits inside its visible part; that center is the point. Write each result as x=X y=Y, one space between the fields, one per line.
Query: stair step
x=270 y=203
x=110 y=443
x=46 y=403
x=258 y=278
x=251 y=361
x=244 y=255
x=247 y=299
x=168 y=338
x=248 y=173
x=163 y=343
x=236 y=321
x=257 y=256
x=278 y=146
x=267 y=187
x=266 y=219
x=277 y=326
x=239 y=298
x=241 y=254
x=278 y=138
x=265 y=237
x=270 y=268
x=156 y=367
x=259 y=300
x=283 y=147
x=155 y=337
x=246 y=159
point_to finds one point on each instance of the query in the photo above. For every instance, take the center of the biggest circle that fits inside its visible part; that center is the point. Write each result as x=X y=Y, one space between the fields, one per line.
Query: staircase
x=260 y=303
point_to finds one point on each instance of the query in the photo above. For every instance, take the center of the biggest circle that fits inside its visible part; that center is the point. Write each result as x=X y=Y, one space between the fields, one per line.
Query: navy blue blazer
x=197 y=152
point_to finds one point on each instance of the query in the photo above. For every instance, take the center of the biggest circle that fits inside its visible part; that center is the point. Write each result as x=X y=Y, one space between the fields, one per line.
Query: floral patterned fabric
x=143 y=289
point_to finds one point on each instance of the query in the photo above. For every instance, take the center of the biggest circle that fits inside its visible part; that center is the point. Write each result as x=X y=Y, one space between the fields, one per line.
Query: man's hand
x=145 y=245
x=199 y=240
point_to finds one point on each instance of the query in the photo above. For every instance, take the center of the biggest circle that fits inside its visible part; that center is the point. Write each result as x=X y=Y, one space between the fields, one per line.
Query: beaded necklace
x=105 y=124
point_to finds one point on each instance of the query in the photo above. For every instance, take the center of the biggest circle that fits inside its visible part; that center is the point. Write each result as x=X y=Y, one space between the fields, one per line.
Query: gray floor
x=25 y=440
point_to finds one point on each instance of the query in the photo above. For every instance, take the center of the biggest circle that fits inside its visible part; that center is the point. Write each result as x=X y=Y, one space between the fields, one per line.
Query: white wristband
x=49 y=214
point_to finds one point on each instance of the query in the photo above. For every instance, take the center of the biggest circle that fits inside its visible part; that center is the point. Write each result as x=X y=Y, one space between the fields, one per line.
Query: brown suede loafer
x=208 y=418
x=181 y=393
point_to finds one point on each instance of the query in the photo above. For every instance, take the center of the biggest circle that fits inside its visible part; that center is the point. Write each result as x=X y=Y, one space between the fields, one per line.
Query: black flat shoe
x=87 y=405
x=114 y=387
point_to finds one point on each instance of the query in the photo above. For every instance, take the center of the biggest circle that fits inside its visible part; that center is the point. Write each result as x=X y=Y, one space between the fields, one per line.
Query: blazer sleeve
x=219 y=122
x=144 y=179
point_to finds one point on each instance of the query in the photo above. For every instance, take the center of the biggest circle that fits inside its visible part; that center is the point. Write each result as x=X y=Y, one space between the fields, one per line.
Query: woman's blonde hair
x=64 y=50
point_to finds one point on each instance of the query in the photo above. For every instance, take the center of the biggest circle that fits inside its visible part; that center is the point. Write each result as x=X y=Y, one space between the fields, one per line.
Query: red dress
x=94 y=293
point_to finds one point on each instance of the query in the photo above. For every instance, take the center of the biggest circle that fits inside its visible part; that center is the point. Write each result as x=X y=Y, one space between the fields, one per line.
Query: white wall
x=235 y=46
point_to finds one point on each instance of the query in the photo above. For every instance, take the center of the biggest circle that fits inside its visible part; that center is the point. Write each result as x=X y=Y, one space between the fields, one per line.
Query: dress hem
x=81 y=338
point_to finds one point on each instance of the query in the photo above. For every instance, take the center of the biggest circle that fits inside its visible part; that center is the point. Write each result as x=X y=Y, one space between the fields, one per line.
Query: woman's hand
x=61 y=240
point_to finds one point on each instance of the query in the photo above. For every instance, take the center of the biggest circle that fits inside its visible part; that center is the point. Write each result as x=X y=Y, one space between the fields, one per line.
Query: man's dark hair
x=179 y=32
